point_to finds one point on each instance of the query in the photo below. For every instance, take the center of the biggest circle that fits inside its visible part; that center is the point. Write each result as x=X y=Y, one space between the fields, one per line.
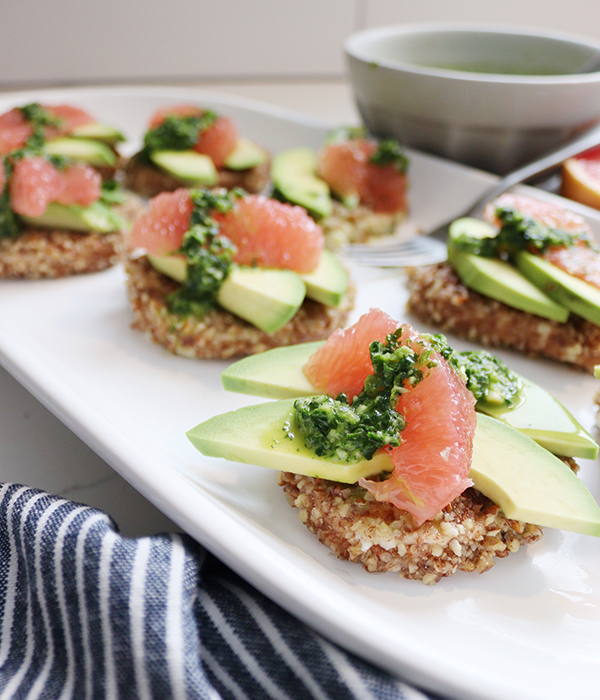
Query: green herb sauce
x=209 y=256
x=519 y=232
x=349 y=433
x=177 y=133
x=389 y=152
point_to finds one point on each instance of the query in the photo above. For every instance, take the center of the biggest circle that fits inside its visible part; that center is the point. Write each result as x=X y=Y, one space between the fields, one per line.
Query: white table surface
x=37 y=450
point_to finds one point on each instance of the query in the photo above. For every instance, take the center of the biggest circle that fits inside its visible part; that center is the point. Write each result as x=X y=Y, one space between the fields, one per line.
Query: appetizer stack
x=405 y=455
x=527 y=278
x=60 y=210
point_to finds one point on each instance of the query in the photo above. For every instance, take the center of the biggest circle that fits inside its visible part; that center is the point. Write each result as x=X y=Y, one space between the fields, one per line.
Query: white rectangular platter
x=527 y=629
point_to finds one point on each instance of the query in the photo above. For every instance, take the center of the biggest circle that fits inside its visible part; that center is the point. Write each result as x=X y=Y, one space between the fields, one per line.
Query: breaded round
x=467 y=535
x=357 y=225
x=438 y=296
x=219 y=334
x=147 y=180
x=38 y=253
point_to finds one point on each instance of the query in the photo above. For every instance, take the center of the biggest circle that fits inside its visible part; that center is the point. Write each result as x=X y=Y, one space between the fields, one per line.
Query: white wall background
x=70 y=41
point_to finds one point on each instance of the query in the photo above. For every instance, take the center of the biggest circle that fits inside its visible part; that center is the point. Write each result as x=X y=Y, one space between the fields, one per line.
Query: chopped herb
x=346 y=432
x=8 y=222
x=209 y=256
x=519 y=232
x=389 y=152
x=488 y=378
x=350 y=433
x=178 y=133
x=39 y=118
x=112 y=192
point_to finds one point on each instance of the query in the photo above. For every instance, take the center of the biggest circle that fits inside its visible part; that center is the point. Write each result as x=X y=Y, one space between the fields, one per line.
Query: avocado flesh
x=189 y=167
x=274 y=374
x=266 y=298
x=97 y=218
x=256 y=435
x=546 y=421
x=323 y=285
x=294 y=177
x=528 y=482
x=328 y=283
x=571 y=292
x=245 y=155
x=278 y=374
x=524 y=479
x=88 y=151
x=98 y=131
x=497 y=278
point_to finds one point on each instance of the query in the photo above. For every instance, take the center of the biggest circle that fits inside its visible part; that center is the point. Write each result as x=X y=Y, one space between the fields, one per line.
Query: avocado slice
x=245 y=155
x=189 y=167
x=266 y=298
x=528 y=482
x=571 y=292
x=497 y=278
x=97 y=217
x=546 y=421
x=89 y=151
x=98 y=131
x=257 y=435
x=294 y=178
x=274 y=374
x=277 y=374
x=325 y=284
x=329 y=282
x=524 y=479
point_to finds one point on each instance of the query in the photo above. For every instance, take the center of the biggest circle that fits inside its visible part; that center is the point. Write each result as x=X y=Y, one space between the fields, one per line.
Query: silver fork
x=430 y=247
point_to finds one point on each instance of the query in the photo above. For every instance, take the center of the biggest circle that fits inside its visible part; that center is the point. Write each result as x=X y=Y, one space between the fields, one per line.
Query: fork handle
x=539 y=166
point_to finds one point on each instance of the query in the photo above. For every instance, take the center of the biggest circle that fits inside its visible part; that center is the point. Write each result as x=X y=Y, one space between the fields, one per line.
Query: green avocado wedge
x=88 y=151
x=97 y=218
x=571 y=292
x=99 y=132
x=245 y=155
x=294 y=175
x=496 y=278
x=524 y=479
x=257 y=435
x=277 y=374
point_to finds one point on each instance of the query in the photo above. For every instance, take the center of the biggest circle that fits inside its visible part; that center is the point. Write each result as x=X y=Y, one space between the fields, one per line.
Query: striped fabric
x=86 y=613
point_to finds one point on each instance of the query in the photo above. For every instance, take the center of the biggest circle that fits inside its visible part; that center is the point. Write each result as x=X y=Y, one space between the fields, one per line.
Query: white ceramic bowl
x=483 y=95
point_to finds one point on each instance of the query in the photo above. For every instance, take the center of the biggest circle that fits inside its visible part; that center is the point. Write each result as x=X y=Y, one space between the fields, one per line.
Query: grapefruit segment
x=344 y=362
x=160 y=229
x=432 y=462
x=14 y=131
x=347 y=169
x=218 y=141
x=34 y=184
x=268 y=233
x=80 y=184
x=547 y=213
x=579 y=260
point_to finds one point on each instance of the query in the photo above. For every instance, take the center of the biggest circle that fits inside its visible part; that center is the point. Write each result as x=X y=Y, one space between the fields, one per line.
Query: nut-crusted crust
x=148 y=181
x=468 y=535
x=438 y=296
x=219 y=334
x=39 y=253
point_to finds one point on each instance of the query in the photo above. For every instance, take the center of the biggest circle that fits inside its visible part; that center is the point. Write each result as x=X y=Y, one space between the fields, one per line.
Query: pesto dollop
x=389 y=152
x=178 y=133
x=519 y=232
x=209 y=256
x=350 y=432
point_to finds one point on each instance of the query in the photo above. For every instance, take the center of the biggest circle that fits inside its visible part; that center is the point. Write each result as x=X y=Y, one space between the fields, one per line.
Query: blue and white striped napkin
x=86 y=613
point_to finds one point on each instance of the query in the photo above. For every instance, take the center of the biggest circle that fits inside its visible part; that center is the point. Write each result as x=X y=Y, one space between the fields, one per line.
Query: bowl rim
x=353 y=47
